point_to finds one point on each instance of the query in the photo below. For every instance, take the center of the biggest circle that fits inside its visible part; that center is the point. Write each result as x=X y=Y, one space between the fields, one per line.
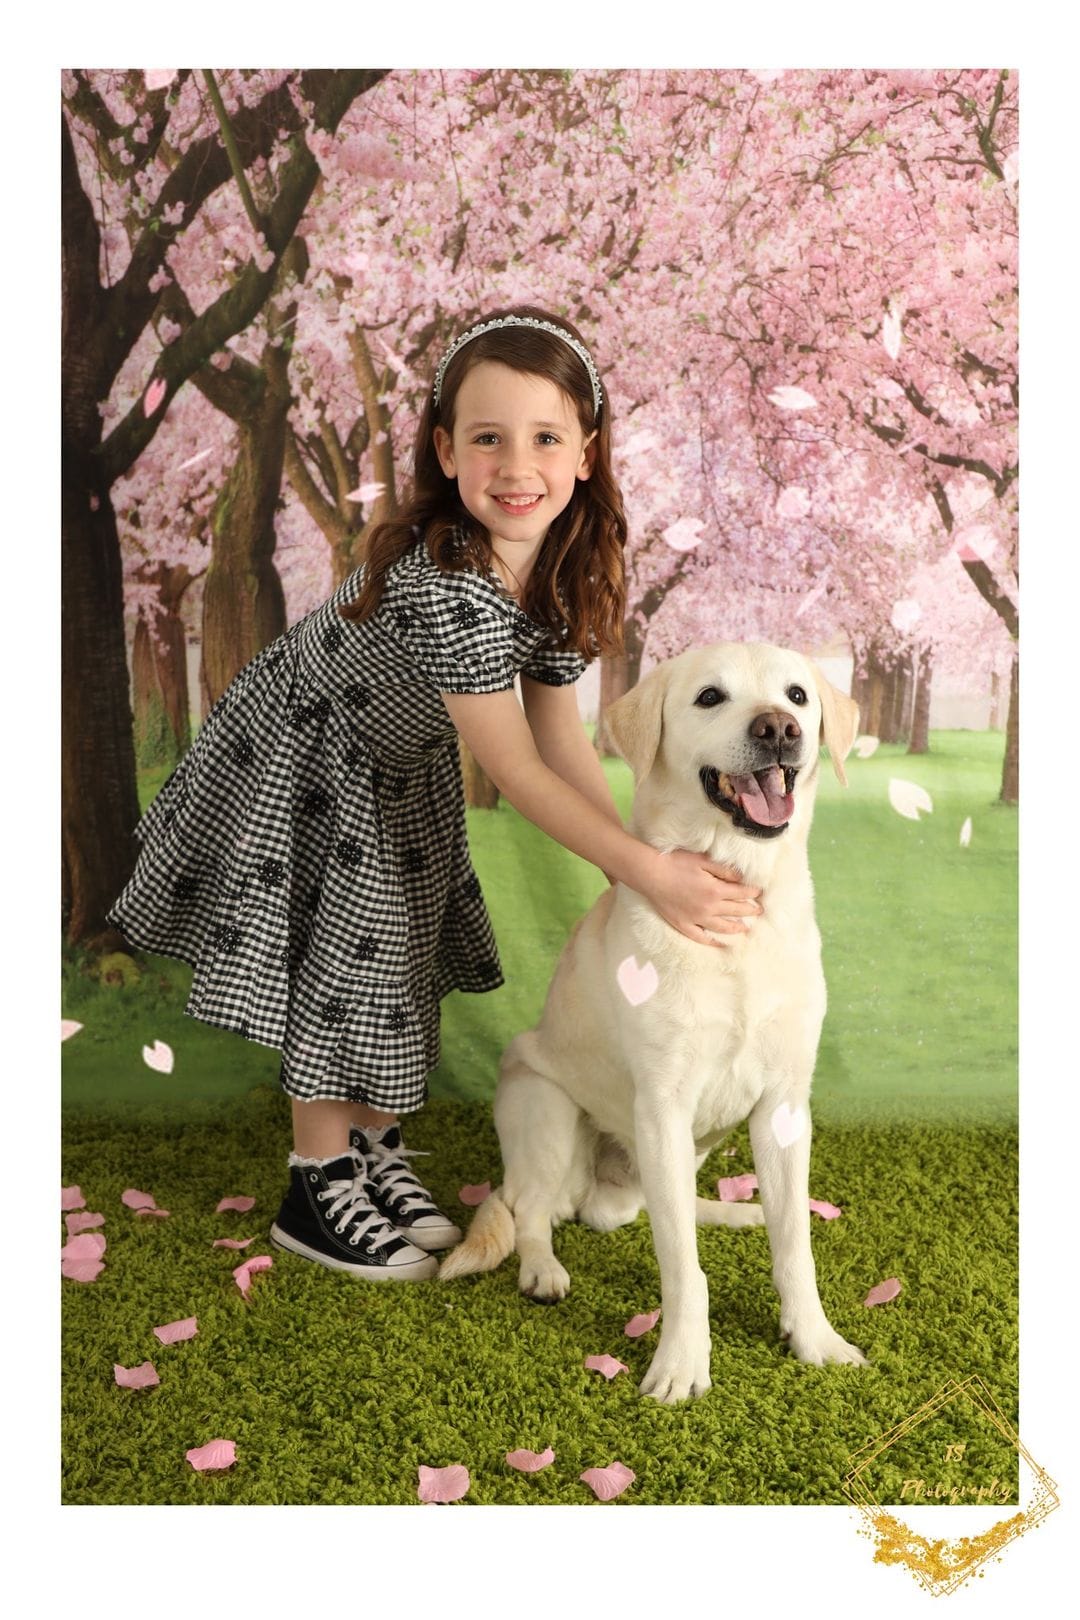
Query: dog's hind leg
x=615 y=1197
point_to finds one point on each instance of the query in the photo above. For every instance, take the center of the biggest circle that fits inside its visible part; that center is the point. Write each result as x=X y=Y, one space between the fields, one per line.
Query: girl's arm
x=563 y=744
x=686 y=887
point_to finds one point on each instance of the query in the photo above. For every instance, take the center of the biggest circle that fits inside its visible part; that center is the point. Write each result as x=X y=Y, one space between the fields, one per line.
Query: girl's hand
x=694 y=893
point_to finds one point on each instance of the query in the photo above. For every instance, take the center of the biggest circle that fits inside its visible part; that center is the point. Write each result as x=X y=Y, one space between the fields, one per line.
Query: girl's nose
x=515 y=457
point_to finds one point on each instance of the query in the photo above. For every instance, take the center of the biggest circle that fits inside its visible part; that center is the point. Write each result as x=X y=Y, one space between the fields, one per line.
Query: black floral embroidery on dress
x=186 y=886
x=272 y=873
x=275 y=658
x=351 y=755
x=332 y=638
x=466 y=614
x=356 y=696
x=376 y=781
x=357 y=1096
x=227 y=937
x=316 y=802
x=334 y=1012
x=396 y=1018
x=546 y=676
x=402 y=618
x=522 y=624
x=415 y=859
x=319 y=709
x=471 y=887
x=398 y=785
x=350 y=851
x=169 y=816
x=243 y=753
x=367 y=949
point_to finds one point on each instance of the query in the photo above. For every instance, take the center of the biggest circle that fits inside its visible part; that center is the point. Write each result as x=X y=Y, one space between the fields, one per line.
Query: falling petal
x=808 y=601
x=82 y=1223
x=883 y=1292
x=162 y=1214
x=530 y=1462
x=158 y=78
x=794 y=502
x=231 y=1243
x=215 y=1454
x=159 y=1056
x=638 y=1325
x=174 y=1332
x=607 y=1483
x=71 y=1198
x=68 y=1028
x=193 y=461
x=154 y=396
x=735 y=1189
x=443 y=1484
x=965 y=834
x=86 y=1246
x=905 y=615
x=684 y=534
x=828 y=1212
x=244 y=1272
x=366 y=492
x=82 y=1270
x=728 y=1153
x=606 y=1365
x=240 y=1204
x=792 y=399
x=865 y=746
x=788 y=1124
x=891 y=334
x=140 y=1377
x=474 y=1195
x=636 y=983
x=976 y=542
x=137 y=1200
x=908 y=798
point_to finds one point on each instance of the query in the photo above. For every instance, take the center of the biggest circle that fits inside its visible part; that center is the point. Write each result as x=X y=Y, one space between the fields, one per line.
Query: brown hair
x=578 y=578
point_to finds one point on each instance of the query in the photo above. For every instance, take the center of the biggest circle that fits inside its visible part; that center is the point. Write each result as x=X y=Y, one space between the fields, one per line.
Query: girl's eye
x=482 y=438
x=549 y=438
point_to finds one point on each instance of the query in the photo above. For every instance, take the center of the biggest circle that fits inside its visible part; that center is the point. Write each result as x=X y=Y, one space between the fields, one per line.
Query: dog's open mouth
x=761 y=804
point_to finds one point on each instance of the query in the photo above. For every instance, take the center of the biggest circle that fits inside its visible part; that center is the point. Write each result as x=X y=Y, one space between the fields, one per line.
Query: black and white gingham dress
x=308 y=856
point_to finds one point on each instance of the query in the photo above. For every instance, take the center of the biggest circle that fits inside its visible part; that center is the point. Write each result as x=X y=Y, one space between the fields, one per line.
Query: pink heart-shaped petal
x=140 y=1377
x=154 y=396
x=606 y=1365
x=366 y=492
x=162 y=1214
x=159 y=1057
x=882 y=1292
x=231 y=1243
x=474 y=1195
x=174 y=1332
x=71 y=1198
x=735 y=1189
x=530 y=1462
x=828 y=1212
x=244 y=1272
x=86 y=1246
x=638 y=984
x=68 y=1028
x=82 y=1270
x=215 y=1454
x=137 y=1200
x=82 y=1223
x=158 y=78
x=638 y=1325
x=607 y=1483
x=240 y=1204
x=443 y=1484
x=788 y=1124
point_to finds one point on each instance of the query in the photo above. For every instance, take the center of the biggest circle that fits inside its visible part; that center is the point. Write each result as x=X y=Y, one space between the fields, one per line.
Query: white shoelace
x=351 y=1200
x=396 y=1179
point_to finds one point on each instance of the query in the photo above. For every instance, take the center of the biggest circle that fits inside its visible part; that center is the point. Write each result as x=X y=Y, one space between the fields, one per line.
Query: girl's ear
x=588 y=456
x=444 y=449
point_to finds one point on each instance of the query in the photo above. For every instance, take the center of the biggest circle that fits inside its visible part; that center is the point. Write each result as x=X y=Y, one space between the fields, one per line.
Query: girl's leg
x=321 y=1129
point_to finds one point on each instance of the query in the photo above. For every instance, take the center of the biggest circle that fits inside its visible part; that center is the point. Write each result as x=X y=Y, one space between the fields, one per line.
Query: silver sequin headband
x=523 y=320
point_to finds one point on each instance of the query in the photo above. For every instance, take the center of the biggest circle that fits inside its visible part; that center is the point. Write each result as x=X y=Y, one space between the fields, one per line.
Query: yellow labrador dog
x=651 y=1047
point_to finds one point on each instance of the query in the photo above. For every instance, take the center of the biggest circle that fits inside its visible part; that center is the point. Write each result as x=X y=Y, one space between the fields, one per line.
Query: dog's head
x=745 y=721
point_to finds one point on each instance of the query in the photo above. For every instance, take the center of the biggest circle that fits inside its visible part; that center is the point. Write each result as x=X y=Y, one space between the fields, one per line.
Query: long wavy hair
x=578 y=579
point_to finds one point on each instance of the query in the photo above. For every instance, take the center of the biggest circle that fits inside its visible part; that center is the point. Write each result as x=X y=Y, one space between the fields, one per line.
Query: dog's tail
x=487 y=1243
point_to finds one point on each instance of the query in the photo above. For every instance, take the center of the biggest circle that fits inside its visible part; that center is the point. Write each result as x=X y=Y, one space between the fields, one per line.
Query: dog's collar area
x=731 y=801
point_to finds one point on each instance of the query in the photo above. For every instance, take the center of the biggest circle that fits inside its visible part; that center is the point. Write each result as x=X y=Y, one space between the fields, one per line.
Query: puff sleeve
x=449 y=626
x=554 y=665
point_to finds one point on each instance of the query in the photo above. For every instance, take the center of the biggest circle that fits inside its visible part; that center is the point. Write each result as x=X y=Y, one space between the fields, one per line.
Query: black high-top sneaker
x=328 y=1216
x=395 y=1191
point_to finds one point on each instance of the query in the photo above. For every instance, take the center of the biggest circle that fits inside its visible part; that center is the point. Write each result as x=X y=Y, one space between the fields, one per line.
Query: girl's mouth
x=518 y=505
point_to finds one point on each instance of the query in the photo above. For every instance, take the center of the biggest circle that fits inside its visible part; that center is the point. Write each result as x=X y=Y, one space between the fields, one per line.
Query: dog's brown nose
x=775 y=726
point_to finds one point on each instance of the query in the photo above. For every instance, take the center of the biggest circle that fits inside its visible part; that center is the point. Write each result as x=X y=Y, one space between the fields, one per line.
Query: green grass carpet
x=336 y=1391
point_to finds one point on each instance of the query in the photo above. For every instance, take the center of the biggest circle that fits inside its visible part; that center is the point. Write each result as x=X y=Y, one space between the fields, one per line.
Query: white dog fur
x=605 y=1105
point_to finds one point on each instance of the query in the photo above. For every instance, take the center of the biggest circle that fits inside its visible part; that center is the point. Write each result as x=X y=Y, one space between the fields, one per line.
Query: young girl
x=309 y=857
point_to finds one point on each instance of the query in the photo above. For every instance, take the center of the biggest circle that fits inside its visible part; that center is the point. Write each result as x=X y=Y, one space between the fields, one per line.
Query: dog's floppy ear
x=634 y=722
x=839 y=722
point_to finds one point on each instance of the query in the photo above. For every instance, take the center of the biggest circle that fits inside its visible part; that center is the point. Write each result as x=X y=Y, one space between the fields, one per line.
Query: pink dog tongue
x=763 y=799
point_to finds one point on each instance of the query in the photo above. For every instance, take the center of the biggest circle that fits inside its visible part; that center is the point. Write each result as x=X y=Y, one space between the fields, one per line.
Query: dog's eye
x=797 y=695
x=710 y=696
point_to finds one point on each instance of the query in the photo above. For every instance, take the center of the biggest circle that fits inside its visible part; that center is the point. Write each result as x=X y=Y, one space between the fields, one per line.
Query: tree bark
x=1010 y=776
x=920 y=720
x=480 y=791
x=159 y=676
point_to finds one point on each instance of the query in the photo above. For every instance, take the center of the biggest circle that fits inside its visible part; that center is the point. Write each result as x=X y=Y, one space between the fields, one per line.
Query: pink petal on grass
x=71 y=1198
x=474 y=1195
x=607 y=1483
x=174 y=1332
x=87 y=1246
x=882 y=1292
x=606 y=1365
x=82 y=1223
x=734 y=1189
x=241 y=1204
x=530 y=1462
x=82 y=1270
x=244 y=1273
x=828 y=1212
x=68 y=1028
x=154 y=396
x=443 y=1484
x=134 y=1199
x=140 y=1377
x=159 y=1057
x=638 y=1325
x=215 y=1454
x=162 y=1214
x=231 y=1243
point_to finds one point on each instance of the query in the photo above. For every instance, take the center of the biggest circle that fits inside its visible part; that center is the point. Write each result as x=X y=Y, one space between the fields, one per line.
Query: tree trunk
x=159 y=676
x=1010 y=777
x=890 y=730
x=480 y=791
x=920 y=720
x=911 y=683
x=860 y=691
x=875 y=677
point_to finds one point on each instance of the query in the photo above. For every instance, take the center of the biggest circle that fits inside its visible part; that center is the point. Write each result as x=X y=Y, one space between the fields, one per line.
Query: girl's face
x=516 y=451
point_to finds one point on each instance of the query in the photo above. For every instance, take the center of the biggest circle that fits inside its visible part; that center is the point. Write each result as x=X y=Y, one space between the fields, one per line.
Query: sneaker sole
x=441 y=1238
x=406 y=1271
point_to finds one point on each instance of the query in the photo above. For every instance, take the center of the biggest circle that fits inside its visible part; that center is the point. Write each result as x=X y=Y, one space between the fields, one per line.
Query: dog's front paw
x=678 y=1371
x=544 y=1281
x=821 y=1345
